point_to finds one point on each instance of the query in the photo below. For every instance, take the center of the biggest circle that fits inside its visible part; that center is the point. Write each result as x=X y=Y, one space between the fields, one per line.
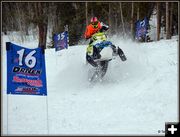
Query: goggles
x=95 y=24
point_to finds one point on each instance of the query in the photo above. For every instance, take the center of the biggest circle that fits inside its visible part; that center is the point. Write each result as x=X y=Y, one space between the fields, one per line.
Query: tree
x=132 y=20
x=53 y=16
x=122 y=20
x=110 y=18
x=167 y=22
x=86 y=13
x=171 y=18
x=138 y=13
x=41 y=20
x=158 y=21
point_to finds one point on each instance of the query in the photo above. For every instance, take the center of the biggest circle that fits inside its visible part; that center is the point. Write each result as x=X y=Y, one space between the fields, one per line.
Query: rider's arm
x=87 y=34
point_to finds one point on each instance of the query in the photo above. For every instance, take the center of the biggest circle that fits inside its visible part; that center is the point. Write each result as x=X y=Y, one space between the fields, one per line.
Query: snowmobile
x=105 y=52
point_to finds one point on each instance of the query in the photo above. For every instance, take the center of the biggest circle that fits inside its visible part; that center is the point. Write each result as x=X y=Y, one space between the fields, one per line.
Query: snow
x=136 y=97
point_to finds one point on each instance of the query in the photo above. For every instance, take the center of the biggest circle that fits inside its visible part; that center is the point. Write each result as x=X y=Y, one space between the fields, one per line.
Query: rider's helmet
x=94 y=22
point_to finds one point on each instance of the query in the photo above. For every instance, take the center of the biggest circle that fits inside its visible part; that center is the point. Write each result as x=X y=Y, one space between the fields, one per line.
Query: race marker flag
x=61 y=41
x=26 y=73
x=141 y=28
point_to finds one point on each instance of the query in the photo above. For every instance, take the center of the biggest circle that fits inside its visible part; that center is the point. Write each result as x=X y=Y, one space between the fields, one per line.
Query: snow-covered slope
x=136 y=97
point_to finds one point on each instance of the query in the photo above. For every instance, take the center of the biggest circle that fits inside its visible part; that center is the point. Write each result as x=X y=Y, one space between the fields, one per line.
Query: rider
x=94 y=27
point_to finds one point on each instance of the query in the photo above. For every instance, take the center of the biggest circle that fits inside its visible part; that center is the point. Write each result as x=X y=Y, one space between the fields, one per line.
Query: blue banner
x=61 y=41
x=141 y=28
x=26 y=73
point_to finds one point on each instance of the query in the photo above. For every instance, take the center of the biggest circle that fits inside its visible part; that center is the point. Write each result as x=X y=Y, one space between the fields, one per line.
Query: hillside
x=135 y=97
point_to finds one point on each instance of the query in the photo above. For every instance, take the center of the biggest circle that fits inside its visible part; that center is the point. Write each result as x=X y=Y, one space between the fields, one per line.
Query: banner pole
x=56 y=58
x=7 y=115
x=47 y=116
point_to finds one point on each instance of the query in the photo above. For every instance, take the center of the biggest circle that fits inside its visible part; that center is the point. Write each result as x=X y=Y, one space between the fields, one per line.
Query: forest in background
x=53 y=16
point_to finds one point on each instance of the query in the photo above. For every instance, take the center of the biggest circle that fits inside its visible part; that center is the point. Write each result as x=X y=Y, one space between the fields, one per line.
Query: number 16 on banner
x=26 y=73
x=30 y=60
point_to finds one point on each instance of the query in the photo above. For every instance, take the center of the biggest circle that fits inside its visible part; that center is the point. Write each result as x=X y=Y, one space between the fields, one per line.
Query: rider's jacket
x=90 y=30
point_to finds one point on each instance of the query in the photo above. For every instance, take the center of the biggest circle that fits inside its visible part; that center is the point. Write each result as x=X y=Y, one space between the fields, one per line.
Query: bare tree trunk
x=158 y=21
x=92 y=13
x=171 y=18
x=42 y=35
x=122 y=19
x=116 y=25
x=167 y=21
x=109 y=19
x=20 y=20
x=138 y=13
x=42 y=24
x=18 y=17
x=86 y=13
x=132 y=20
